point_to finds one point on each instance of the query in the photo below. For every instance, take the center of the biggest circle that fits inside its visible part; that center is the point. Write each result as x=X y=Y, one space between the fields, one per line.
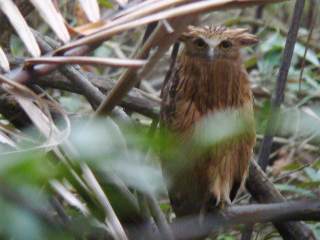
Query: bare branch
x=263 y=191
x=114 y=62
x=158 y=39
x=190 y=10
x=281 y=84
x=189 y=228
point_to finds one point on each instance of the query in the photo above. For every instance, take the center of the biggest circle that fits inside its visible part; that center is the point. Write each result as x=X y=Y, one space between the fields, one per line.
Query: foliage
x=60 y=175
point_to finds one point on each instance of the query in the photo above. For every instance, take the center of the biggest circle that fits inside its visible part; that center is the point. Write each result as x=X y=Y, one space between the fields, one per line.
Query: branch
x=113 y=62
x=86 y=44
x=92 y=93
x=135 y=101
x=189 y=228
x=281 y=84
x=159 y=39
x=263 y=191
x=258 y=184
x=46 y=215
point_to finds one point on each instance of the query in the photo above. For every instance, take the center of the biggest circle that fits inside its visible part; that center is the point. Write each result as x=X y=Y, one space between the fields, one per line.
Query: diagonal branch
x=159 y=39
x=281 y=84
x=263 y=191
x=190 y=10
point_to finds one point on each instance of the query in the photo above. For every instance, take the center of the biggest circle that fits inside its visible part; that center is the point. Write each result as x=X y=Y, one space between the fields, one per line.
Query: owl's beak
x=210 y=53
x=212 y=43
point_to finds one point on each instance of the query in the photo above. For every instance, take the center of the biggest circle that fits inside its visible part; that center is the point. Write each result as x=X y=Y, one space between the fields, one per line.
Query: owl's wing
x=169 y=99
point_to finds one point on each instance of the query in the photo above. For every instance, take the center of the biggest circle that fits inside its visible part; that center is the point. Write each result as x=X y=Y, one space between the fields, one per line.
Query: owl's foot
x=218 y=203
x=223 y=204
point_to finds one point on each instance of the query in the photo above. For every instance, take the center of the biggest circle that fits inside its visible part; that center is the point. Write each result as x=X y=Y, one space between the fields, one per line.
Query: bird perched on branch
x=208 y=78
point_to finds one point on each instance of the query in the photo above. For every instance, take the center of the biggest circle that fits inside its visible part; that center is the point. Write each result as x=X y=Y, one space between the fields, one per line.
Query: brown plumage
x=209 y=78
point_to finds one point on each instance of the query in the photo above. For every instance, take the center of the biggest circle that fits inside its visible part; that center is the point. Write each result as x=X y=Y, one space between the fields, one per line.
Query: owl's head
x=212 y=43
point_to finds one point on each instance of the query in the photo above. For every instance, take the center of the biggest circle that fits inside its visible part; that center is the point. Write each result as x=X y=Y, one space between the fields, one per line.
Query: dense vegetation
x=80 y=145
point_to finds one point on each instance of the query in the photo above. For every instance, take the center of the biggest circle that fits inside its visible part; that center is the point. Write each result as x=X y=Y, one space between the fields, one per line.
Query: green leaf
x=275 y=42
x=262 y=116
x=30 y=168
x=269 y=62
x=312 y=174
x=19 y=224
x=251 y=62
x=309 y=185
x=294 y=189
x=71 y=103
x=292 y=166
x=311 y=56
x=226 y=237
x=105 y=3
x=316 y=229
x=165 y=207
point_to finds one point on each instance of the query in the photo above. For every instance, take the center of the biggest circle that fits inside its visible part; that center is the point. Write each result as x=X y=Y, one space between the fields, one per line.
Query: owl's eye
x=199 y=42
x=226 y=44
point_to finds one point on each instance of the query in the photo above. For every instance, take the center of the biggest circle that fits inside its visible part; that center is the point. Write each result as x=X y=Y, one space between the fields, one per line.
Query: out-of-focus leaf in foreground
x=301 y=123
x=102 y=145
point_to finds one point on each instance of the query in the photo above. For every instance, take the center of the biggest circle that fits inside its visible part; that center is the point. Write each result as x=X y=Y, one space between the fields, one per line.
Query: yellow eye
x=226 y=44
x=200 y=43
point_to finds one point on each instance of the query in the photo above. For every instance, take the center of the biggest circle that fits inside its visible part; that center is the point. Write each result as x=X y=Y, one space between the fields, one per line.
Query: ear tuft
x=187 y=34
x=184 y=37
x=247 y=39
x=191 y=32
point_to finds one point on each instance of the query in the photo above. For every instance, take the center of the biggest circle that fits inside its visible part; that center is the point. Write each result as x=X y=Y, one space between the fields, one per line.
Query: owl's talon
x=223 y=204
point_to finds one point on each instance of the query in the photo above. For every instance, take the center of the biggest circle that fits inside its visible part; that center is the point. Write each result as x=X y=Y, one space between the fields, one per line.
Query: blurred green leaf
x=70 y=103
x=311 y=56
x=298 y=123
x=262 y=115
x=232 y=124
x=105 y=3
x=102 y=145
x=226 y=237
x=309 y=184
x=33 y=168
x=269 y=62
x=313 y=174
x=16 y=46
x=275 y=42
x=316 y=229
x=29 y=226
x=292 y=166
x=294 y=189
x=251 y=62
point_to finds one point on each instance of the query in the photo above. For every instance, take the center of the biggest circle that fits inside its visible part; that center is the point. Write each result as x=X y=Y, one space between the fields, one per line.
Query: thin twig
x=258 y=15
x=313 y=21
x=111 y=218
x=159 y=218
